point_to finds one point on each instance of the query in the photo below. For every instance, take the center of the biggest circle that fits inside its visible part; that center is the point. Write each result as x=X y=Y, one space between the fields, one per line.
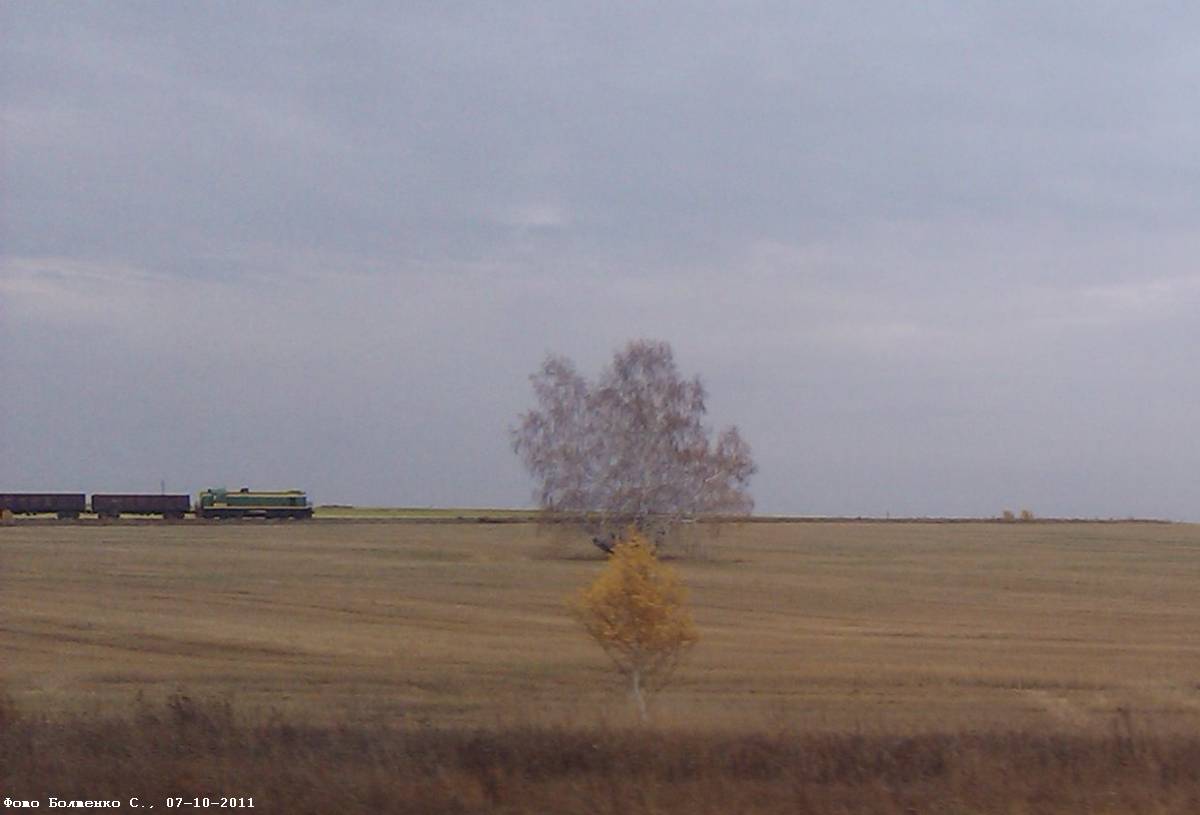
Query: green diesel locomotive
x=247 y=503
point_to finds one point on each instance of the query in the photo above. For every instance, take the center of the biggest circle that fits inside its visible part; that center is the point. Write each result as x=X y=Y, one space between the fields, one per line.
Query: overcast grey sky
x=934 y=258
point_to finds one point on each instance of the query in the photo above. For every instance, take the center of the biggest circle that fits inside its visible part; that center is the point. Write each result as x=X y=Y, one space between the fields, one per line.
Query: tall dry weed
x=188 y=747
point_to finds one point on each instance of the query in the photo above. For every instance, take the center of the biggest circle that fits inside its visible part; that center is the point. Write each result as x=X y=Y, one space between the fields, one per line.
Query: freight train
x=210 y=503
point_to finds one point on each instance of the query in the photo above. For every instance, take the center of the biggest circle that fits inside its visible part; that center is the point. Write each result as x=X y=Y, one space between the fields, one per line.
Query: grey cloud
x=934 y=260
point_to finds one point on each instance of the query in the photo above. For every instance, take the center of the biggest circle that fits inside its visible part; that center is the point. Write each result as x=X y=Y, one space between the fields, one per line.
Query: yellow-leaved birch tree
x=637 y=611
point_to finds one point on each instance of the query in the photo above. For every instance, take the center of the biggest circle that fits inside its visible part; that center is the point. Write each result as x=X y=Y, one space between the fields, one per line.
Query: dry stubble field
x=871 y=629
x=836 y=624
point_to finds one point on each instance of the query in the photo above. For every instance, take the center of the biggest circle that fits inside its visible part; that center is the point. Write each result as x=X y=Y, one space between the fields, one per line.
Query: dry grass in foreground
x=188 y=748
x=432 y=668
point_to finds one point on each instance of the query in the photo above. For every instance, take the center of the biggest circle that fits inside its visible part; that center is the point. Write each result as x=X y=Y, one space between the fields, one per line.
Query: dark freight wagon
x=62 y=504
x=247 y=503
x=168 y=506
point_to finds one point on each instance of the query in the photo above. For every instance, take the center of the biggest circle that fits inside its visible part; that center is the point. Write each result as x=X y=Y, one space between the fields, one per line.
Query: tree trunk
x=638 y=696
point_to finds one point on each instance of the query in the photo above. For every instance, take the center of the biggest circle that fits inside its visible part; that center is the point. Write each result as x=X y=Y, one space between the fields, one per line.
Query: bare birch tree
x=630 y=448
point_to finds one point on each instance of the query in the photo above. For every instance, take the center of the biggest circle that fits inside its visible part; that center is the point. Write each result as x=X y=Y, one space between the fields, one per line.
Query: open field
x=835 y=625
x=884 y=633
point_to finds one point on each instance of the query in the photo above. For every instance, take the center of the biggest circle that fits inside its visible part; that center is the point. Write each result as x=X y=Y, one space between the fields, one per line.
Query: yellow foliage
x=637 y=612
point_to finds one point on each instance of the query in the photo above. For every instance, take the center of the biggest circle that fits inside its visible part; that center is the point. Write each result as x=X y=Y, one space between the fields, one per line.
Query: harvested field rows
x=829 y=626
